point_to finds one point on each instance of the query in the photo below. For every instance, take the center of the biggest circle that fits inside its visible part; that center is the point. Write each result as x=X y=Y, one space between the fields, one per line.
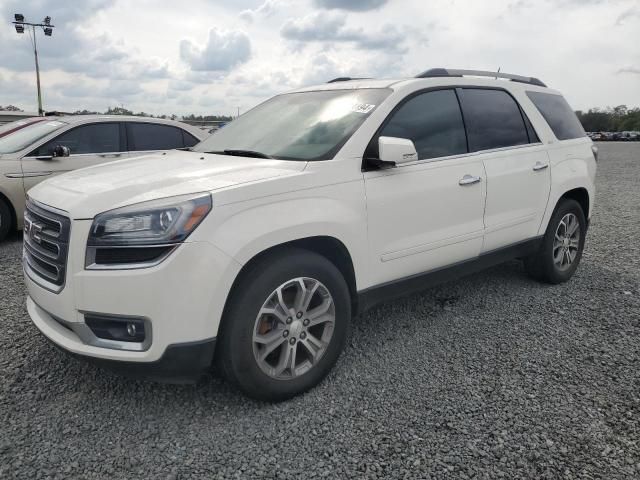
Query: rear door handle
x=468 y=180
x=540 y=166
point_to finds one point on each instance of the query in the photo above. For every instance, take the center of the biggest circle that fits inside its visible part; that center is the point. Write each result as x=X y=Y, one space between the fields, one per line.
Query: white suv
x=262 y=241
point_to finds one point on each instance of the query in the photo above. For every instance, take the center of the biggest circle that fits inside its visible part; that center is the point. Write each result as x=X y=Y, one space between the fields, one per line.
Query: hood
x=86 y=192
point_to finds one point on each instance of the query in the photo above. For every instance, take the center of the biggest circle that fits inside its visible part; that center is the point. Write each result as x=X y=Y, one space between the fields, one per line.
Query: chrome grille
x=46 y=243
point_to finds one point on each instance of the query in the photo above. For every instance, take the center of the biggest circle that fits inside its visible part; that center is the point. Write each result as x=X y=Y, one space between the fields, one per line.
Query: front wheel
x=285 y=326
x=562 y=245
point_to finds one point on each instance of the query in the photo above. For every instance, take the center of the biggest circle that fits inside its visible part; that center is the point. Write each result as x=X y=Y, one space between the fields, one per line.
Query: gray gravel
x=493 y=376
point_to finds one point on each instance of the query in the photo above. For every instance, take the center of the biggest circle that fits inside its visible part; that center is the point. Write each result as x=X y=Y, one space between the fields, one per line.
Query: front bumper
x=182 y=298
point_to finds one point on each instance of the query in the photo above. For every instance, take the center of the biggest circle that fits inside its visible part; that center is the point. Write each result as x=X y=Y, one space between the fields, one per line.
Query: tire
x=6 y=220
x=240 y=355
x=544 y=265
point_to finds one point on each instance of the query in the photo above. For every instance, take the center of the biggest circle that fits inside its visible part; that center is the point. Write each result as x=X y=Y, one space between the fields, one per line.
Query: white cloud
x=354 y=5
x=332 y=27
x=223 y=51
x=265 y=9
x=221 y=55
x=628 y=15
x=630 y=69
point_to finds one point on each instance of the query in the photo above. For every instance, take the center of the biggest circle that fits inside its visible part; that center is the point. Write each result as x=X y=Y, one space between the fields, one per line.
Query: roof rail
x=448 y=72
x=346 y=79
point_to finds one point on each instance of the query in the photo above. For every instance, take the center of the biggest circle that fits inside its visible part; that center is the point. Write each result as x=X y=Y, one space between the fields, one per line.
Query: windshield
x=16 y=141
x=297 y=126
x=17 y=125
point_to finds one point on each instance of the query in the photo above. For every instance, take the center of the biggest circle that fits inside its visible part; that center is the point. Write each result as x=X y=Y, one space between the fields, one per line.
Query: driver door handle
x=468 y=180
x=540 y=166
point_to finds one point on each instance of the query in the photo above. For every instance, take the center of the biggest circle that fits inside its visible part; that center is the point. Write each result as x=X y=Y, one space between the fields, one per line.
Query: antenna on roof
x=498 y=72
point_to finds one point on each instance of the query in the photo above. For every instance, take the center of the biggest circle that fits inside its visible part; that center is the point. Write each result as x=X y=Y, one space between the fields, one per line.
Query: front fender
x=243 y=230
x=12 y=188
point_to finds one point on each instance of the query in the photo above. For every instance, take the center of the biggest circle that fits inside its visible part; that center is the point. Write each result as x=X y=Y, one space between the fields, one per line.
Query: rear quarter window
x=558 y=114
x=153 y=136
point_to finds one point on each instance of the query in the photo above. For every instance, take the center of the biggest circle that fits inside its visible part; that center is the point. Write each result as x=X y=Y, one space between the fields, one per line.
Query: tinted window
x=151 y=136
x=433 y=122
x=93 y=138
x=558 y=114
x=189 y=140
x=493 y=119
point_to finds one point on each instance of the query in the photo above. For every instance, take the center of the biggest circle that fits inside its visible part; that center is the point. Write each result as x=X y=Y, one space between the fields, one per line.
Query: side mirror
x=397 y=150
x=60 y=151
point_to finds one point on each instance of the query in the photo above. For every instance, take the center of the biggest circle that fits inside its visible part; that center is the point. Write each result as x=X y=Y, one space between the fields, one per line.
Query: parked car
x=629 y=136
x=46 y=147
x=261 y=242
x=7 y=128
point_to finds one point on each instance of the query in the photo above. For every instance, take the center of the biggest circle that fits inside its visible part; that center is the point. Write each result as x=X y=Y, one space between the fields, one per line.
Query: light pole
x=48 y=30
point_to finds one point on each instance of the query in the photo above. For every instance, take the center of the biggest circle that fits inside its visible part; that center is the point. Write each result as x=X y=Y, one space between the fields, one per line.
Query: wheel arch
x=329 y=247
x=580 y=195
x=12 y=211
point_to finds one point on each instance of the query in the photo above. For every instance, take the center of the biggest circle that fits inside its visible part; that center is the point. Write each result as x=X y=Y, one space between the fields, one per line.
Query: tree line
x=125 y=111
x=616 y=119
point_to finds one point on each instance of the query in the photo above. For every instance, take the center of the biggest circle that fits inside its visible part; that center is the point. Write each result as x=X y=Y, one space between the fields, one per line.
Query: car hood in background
x=86 y=192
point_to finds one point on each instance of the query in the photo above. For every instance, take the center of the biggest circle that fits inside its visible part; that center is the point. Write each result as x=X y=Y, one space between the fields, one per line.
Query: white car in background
x=40 y=148
x=257 y=246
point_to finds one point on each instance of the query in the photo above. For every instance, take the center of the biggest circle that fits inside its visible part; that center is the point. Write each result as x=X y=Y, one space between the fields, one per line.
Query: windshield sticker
x=363 y=107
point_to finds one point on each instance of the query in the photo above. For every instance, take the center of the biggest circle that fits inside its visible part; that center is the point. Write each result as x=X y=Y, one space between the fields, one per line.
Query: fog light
x=121 y=329
x=131 y=329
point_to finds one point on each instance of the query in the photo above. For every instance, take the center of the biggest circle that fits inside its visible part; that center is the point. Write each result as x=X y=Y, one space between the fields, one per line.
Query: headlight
x=159 y=222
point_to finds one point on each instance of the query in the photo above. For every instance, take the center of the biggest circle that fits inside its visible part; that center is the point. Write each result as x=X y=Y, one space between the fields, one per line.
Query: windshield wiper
x=242 y=153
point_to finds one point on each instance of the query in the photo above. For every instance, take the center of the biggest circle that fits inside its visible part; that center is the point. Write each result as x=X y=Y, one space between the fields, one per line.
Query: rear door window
x=152 y=136
x=493 y=119
x=558 y=114
x=433 y=122
x=86 y=139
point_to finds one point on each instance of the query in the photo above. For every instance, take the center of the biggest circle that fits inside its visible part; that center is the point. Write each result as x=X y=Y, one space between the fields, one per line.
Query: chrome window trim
x=468 y=155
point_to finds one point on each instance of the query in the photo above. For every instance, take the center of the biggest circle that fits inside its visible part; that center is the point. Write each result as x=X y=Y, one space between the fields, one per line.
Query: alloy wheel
x=293 y=328
x=566 y=242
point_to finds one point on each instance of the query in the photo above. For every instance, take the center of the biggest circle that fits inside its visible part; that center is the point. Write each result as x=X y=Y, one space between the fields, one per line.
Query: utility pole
x=48 y=30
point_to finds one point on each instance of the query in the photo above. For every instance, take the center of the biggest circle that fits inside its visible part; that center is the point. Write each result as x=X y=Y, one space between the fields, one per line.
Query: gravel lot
x=491 y=376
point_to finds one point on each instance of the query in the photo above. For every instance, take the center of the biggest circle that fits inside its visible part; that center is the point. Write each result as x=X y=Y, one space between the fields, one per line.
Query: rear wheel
x=562 y=246
x=6 y=220
x=285 y=326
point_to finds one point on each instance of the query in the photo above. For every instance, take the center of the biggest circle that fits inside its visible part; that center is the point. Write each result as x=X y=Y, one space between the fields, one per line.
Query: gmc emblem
x=33 y=230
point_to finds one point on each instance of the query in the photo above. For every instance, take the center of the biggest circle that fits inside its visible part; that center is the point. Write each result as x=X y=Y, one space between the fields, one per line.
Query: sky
x=218 y=56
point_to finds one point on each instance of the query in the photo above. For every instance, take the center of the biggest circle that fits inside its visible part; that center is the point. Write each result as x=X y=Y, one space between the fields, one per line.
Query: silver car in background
x=59 y=144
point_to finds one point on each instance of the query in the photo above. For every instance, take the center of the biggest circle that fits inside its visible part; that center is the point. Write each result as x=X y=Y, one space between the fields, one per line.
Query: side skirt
x=398 y=288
